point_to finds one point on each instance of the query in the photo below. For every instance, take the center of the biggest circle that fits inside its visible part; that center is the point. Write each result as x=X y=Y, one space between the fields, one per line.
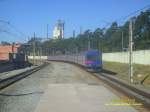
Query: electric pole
x=40 y=55
x=130 y=51
x=80 y=30
x=122 y=40
x=34 y=49
x=47 y=31
x=74 y=33
x=63 y=29
x=89 y=43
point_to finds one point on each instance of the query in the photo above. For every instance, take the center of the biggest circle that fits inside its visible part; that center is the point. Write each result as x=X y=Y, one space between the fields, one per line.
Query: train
x=13 y=55
x=91 y=59
x=18 y=60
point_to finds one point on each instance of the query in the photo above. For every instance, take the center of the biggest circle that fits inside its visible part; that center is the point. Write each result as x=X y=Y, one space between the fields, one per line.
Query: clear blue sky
x=32 y=15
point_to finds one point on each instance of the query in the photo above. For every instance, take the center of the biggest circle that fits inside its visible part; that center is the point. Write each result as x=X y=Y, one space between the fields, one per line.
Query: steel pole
x=130 y=52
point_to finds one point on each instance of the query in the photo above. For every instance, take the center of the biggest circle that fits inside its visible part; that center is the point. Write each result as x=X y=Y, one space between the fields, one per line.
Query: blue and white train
x=91 y=60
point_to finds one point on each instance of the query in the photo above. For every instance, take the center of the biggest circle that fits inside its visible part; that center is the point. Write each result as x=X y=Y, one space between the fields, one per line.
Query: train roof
x=93 y=52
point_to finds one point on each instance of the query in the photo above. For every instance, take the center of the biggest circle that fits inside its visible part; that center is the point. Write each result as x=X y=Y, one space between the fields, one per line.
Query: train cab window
x=93 y=58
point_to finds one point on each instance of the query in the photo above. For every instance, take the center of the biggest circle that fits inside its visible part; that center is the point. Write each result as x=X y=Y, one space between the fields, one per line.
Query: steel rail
x=12 y=79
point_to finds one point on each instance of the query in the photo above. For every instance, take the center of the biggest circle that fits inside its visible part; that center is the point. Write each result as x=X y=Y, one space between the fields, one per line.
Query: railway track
x=10 y=80
x=127 y=89
x=118 y=85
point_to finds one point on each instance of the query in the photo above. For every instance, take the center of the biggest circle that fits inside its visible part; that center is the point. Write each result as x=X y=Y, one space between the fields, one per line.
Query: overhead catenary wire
x=13 y=27
x=127 y=16
x=3 y=21
x=19 y=33
x=12 y=34
x=135 y=12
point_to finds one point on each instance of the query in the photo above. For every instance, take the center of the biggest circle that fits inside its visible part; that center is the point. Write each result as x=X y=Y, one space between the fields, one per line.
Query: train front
x=93 y=60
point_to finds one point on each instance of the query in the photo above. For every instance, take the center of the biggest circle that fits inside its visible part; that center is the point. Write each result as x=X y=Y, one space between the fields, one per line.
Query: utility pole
x=63 y=29
x=89 y=43
x=130 y=52
x=80 y=30
x=47 y=31
x=122 y=45
x=74 y=33
x=40 y=55
x=99 y=47
x=89 y=46
x=34 y=49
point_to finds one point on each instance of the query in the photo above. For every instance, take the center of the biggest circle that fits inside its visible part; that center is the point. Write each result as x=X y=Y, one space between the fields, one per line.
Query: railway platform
x=12 y=73
x=80 y=98
x=63 y=87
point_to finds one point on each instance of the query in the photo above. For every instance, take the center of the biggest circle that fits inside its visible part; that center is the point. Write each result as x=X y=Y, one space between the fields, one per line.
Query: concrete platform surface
x=79 y=98
x=8 y=74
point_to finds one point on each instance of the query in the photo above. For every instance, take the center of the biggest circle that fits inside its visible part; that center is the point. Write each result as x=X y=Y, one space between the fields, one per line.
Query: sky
x=29 y=16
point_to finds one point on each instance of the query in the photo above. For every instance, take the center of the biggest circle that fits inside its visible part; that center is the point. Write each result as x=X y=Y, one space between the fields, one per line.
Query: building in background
x=58 y=32
x=5 y=50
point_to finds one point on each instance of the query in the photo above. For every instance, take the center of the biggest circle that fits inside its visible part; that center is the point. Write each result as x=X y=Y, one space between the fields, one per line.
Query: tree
x=107 y=40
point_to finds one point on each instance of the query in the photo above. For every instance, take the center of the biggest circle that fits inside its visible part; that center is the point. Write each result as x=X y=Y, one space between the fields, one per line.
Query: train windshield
x=93 y=57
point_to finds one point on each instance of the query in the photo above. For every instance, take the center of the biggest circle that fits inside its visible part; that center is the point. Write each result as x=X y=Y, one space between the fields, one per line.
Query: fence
x=38 y=57
x=139 y=57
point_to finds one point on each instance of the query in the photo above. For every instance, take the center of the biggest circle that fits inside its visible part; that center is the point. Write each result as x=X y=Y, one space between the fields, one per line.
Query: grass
x=141 y=72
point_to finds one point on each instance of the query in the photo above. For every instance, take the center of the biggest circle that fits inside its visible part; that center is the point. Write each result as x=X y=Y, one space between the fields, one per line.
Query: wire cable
x=125 y=17
x=3 y=21
x=12 y=34
x=147 y=6
x=19 y=33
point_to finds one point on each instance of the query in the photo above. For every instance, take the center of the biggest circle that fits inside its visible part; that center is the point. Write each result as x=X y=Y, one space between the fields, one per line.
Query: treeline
x=112 y=39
